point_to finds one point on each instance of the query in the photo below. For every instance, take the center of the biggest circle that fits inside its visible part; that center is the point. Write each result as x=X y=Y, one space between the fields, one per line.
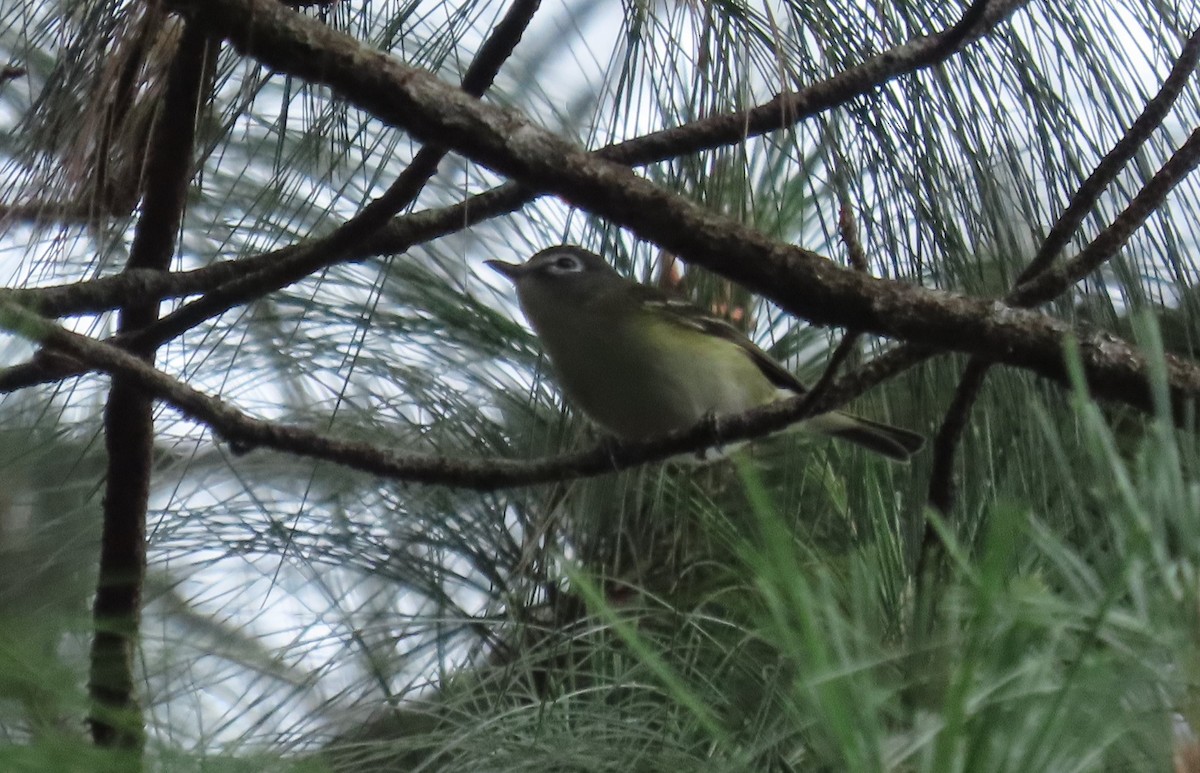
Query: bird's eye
x=566 y=264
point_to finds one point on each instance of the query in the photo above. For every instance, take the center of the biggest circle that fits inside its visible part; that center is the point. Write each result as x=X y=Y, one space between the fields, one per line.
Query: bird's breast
x=647 y=376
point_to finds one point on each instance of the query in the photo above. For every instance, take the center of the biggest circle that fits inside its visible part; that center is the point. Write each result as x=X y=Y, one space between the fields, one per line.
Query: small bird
x=641 y=363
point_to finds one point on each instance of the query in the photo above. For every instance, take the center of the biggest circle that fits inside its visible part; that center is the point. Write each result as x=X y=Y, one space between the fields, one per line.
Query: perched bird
x=640 y=363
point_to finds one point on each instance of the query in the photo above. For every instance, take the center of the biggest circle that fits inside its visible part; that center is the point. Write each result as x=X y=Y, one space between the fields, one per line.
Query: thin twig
x=857 y=257
x=1054 y=282
x=1114 y=161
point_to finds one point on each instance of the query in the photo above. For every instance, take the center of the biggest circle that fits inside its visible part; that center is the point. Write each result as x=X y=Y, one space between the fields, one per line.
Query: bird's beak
x=510 y=270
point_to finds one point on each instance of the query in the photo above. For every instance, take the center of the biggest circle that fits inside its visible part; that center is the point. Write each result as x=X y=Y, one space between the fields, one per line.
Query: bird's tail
x=892 y=442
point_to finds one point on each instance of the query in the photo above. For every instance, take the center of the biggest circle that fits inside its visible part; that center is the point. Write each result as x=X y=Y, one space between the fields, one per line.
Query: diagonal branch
x=1114 y=161
x=790 y=108
x=800 y=281
x=285 y=265
x=1038 y=283
x=1053 y=282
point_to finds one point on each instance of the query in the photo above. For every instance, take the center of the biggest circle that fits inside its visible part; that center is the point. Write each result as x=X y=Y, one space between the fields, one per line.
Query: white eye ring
x=565 y=264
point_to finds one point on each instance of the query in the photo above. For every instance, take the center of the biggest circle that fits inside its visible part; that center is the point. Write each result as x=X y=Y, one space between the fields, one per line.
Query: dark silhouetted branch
x=115 y=716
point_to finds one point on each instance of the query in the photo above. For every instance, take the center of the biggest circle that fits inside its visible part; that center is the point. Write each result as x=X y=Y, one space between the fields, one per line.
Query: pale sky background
x=289 y=607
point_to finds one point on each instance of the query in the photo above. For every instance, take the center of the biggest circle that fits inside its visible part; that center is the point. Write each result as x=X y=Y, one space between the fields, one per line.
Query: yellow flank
x=653 y=375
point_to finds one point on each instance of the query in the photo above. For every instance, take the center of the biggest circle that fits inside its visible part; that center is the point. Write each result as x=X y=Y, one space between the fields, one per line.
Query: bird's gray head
x=562 y=264
x=562 y=274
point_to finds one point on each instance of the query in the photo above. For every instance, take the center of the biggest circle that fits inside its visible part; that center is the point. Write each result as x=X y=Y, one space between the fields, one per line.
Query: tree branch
x=789 y=108
x=1038 y=283
x=1114 y=161
x=283 y=266
x=1053 y=282
x=800 y=281
x=245 y=433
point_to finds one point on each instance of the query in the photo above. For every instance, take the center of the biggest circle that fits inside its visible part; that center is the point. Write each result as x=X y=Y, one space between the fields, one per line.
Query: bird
x=640 y=363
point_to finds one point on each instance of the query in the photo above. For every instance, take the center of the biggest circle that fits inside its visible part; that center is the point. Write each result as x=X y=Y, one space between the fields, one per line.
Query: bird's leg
x=712 y=425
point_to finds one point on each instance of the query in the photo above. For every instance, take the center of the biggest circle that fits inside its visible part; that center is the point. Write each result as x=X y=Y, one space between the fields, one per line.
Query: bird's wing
x=689 y=315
